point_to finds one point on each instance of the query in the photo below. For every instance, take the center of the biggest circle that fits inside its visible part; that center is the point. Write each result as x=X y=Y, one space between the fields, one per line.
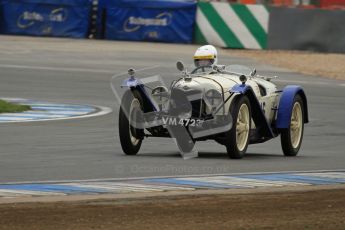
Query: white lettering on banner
x=135 y=23
x=148 y=21
x=56 y=18
x=32 y=16
x=28 y=19
x=58 y=15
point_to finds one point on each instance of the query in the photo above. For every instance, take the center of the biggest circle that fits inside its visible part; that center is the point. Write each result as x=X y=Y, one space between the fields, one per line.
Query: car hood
x=220 y=82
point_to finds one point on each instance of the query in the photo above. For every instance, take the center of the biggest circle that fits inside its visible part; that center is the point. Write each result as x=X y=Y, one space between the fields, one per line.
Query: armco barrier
x=144 y=20
x=61 y=18
x=307 y=29
x=232 y=25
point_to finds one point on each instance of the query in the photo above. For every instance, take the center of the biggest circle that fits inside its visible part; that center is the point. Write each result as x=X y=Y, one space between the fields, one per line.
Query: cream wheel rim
x=296 y=125
x=133 y=117
x=242 y=127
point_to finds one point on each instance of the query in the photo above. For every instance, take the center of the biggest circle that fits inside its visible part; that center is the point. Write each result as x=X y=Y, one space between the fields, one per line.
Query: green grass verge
x=7 y=107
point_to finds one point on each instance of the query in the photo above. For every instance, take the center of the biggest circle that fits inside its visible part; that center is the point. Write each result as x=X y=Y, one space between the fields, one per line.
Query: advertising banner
x=140 y=20
x=1 y=17
x=61 y=18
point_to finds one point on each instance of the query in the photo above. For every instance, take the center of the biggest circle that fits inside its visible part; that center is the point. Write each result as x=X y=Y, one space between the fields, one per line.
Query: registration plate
x=174 y=121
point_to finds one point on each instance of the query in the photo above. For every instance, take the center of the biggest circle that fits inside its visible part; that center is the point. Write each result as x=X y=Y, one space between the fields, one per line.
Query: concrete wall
x=305 y=29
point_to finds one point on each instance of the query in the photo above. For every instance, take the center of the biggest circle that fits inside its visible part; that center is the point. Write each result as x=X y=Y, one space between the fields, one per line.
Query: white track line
x=245 y=182
x=117 y=187
x=30 y=115
x=136 y=185
x=29 y=193
x=163 y=177
x=330 y=175
x=102 y=111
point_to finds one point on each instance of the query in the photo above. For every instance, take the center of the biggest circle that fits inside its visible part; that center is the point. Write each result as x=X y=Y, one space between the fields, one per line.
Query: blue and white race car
x=229 y=104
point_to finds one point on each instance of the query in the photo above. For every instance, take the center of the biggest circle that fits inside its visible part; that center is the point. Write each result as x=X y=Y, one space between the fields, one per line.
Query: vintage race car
x=229 y=104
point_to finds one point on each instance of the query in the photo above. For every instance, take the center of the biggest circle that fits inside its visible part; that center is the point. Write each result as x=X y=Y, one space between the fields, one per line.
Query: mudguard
x=130 y=82
x=258 y=115
x=135 y=84
x=286 y=104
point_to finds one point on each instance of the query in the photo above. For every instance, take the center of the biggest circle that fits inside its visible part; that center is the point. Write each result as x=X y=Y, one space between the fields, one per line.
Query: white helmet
x=205 y=56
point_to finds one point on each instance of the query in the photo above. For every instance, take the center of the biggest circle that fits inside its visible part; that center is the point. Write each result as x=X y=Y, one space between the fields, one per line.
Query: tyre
x=291 y=138
x=237 y=138
x=130 y=111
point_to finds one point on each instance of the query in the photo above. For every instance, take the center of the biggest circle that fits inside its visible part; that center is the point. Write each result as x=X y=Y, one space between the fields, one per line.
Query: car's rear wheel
x=291 y=138
x=238 y=135
x=131 y=109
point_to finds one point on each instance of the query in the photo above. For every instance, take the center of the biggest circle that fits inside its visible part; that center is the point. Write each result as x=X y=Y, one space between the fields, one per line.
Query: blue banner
x=143 y=20
x=1 y=17
x=60 y=18
x=160 y=4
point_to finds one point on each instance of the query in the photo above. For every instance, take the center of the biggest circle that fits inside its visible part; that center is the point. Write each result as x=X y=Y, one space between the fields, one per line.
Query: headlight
x=213 y=98
x=179 y=105
x=160 y=95
x=243 y=79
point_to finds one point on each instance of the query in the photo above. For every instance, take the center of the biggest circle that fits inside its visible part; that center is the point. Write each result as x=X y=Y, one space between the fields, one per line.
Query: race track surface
x=79 y=72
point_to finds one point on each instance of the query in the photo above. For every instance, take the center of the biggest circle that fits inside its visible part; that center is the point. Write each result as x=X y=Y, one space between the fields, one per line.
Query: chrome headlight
x=179 y=105
x=243 y=78
x=160 y=95
x=213 y=98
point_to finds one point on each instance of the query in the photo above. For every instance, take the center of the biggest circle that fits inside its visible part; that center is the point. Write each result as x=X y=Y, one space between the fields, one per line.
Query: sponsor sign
x=46 y=18
x=146 y=21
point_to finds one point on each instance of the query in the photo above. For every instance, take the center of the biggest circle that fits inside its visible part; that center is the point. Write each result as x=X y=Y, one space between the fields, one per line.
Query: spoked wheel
x=130 y=114
x=291 y=138
x=238 y=136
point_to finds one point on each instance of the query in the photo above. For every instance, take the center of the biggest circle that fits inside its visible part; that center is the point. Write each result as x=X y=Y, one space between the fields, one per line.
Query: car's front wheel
x=238 y=136
x=291 y=138
x=130 y=137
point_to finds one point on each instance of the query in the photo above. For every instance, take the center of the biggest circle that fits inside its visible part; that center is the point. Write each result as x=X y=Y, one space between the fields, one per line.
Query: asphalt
x=79 y=71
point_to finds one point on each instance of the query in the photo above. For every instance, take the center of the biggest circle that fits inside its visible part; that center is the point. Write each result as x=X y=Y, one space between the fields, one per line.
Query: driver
x=205 y=56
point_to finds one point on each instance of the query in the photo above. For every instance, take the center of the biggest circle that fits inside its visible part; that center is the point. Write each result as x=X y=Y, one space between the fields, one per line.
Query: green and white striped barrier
x=232 y=25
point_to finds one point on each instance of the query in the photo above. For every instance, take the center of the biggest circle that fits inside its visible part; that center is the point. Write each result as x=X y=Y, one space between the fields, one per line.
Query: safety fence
x=243 y=26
